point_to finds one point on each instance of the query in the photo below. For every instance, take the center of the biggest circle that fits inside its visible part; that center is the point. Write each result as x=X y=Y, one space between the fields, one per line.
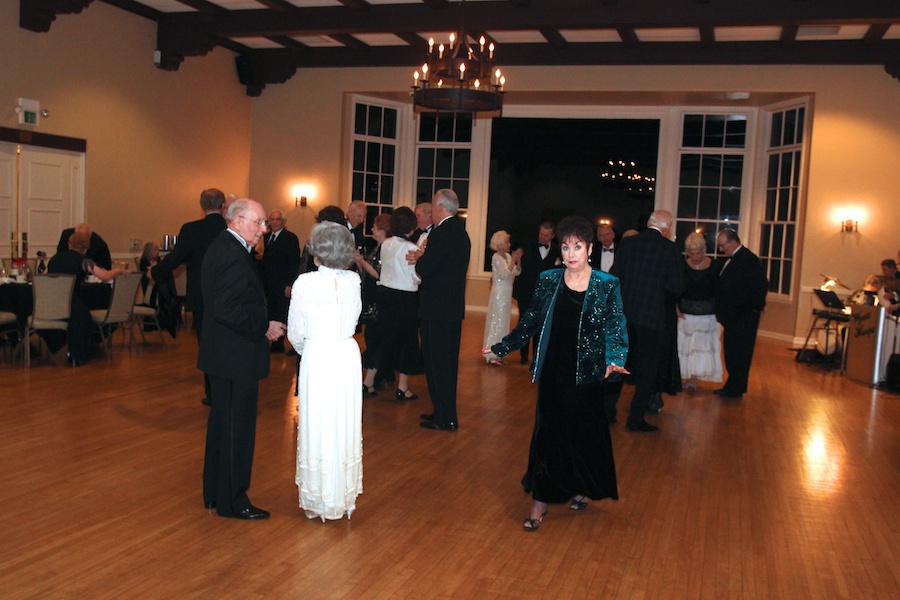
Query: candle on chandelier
x=441 y=51
x=430 y=45
x=416 y=78
x=462 y=71
x=452 y=39
x=491 y=51
x=425 y=72
x=481 y=42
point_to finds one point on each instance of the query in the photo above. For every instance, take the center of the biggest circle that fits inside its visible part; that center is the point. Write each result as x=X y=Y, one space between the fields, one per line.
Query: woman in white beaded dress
x=505 y=266
x=325 y=305
x=699 y=349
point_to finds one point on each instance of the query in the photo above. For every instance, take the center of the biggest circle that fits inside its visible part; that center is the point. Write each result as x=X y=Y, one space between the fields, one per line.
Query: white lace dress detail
x=325 y=306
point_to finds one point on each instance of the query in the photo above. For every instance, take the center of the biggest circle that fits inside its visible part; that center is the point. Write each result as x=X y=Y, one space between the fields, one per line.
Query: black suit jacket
x=442 y=293
x=193 y=240
x=742 y=286
x=532 y=266
x=597 y=254
x=98 y=251
x=651 y=273
x=233 y=341
x=279 y=266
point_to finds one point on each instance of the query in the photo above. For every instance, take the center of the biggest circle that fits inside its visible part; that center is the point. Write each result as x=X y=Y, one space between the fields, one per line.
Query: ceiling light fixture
x=460 y=77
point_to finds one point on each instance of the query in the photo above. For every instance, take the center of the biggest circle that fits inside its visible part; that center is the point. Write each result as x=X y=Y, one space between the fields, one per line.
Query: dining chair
x=119 y=312
x=147 y=312
x=52 y=306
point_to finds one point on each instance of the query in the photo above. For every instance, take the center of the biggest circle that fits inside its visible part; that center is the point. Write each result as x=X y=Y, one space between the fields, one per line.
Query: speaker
x=244 y=70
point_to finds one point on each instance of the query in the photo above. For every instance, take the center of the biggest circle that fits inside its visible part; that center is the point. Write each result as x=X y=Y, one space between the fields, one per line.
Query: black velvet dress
x=571 y=450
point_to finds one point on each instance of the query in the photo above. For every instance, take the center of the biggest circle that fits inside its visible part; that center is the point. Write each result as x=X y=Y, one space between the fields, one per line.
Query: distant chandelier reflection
x=627 y=174
x=460 y=77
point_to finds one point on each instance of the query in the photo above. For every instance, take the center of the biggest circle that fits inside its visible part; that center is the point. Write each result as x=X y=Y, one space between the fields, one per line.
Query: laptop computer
x=830 y=299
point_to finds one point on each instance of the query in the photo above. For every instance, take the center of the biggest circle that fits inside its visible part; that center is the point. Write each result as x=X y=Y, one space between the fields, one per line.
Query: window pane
x=426 y=162
x=765 y=239
x=714 y=132
x=359 y=155
x=772 y=179
x=424 y=190
x=731 y=205
x=774 y=275
x=794 y=200
x=775 y=137
x=357 y=191
x=440 y=184
x=445 y=128
x=690 y=169
x=787 y=163
x=709 y=231
x=786 y=277
x=777 y=240
x=796 y=160
x=390 y=123
x=374 y=128
x=709 y=203
x=464 y=128
x=732 y=171
x=789 y=241
x=463 y=193
x=736 y=131
x=373 y=157
x=387 y=189
x=687 y=202
x=461 y=160
x=771 y=204
x=711 y=170
x=371 y=194
x=801 y=118
x=443 y=163
x=427 y=126
x=790 y=126
x=693 y=131
x=360 y=120
x=387 y=158
x=784 y=203
x=682 y=230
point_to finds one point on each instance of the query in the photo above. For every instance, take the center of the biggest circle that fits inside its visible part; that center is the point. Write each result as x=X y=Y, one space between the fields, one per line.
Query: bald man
x=98 y=250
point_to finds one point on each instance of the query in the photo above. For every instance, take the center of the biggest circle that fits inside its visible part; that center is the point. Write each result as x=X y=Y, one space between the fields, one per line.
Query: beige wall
x=155 y=139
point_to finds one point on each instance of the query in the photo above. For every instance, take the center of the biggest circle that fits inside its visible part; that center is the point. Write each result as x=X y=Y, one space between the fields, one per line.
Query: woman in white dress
x=698 y=331
x=505 y=266
x=325 y=305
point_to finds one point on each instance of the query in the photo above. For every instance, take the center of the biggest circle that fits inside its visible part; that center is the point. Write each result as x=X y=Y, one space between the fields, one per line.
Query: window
x=444 y=152
x=778 y=227
x=374 y=159
x=711 y=171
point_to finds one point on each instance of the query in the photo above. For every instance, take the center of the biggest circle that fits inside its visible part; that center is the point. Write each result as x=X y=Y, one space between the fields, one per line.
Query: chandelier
x=460 y=77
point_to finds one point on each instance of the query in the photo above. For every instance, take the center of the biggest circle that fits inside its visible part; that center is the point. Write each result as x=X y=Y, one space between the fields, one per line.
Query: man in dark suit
x=442 y=306
x=356 y=218
x=651 y=274
x=740 y=299
x=602 y=259
x=279 y=266
x=234 y=352
x=536 y=257
x=98 y=251
x=193 y=240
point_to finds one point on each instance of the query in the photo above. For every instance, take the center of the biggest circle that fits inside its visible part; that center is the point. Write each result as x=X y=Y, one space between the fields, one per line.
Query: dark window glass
x=732 y=171
x=731 y=205
x=461 y=160
x=427 y=126
x=463 y=193
x=443 y=166
x=771 y=204
x=774 y=275
x=765 y=239
x=801 y=118
x=374 y=128
x=687 y=202
x=390 y=123
x=445 y=128
x=464 y=128
x=787 y=267
x=772 y=179
x=693 y=131
x=359 y=155
x=684 y=229
x=777 y=240
x=387 y=189
x=424 y=190
x=795 y=193
x=736 y=132
x=711 y=171
x=387 y=158
x=784 y=204
x=775 y=138
x=789 y=241
x=360 y=120
x=371 y=188
x=714 y=131
x=690 y=169
x=796 y=159
x=426 y=162
x=790 y=127
x=440 y=184
x=373 y=156
x=709 y=203
x=357 y=191
x=787 y=163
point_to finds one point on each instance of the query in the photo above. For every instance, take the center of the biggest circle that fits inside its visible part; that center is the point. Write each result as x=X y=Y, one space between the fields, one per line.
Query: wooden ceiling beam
x=38 y=15
x=279 y=5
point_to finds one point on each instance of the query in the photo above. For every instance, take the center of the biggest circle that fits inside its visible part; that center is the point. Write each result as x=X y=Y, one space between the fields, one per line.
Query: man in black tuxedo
x=536 y=257
x=651 y=275
x=424 y=224
x=193 y=240
x=280 y=266
x=234 y=352
x=442 y=306
x=356 y=218
x=98 y=251
x=740 y=299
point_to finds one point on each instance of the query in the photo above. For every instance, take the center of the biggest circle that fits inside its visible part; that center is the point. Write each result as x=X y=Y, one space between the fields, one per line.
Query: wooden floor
x=793 y=492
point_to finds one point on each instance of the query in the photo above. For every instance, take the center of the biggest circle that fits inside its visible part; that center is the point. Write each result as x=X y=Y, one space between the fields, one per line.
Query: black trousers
x=646 y=347
x=440 y=351
x=738 y=342
x=198 y=325
x=230 y=440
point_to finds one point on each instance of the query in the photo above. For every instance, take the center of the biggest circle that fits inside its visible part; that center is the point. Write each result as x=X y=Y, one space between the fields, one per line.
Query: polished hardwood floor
x=792 y=492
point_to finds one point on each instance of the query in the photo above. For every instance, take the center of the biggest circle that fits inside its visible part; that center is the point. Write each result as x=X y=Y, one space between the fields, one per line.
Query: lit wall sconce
x=604 y=222
x=849 y=226
x=301 y=201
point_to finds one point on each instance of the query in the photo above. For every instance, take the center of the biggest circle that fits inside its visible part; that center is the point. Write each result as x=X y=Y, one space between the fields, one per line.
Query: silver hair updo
x=332 y=245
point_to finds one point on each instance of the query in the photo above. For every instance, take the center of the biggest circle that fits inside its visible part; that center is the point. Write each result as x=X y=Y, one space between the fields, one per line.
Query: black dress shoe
x=369 y=392
x=250 y=513
x=451 y=426
x=427 y=416
x=641 y=426
x=726 y=393
x=402 y=395
x=210 y=504
x=206 y=402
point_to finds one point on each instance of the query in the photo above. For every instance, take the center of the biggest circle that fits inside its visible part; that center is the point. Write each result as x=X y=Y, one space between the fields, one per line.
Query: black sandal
x=576 y=504
x=530 y=524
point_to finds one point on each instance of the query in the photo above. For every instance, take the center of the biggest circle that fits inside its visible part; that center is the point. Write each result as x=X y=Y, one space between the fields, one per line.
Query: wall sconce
x=301 y=201
x=604 y=222
x=849 y=226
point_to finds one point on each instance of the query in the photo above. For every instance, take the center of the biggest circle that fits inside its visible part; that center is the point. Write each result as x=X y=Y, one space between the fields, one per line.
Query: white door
x=41 y=193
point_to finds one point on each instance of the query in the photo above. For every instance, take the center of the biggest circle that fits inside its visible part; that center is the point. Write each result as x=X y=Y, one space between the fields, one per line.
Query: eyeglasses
x=259 y=222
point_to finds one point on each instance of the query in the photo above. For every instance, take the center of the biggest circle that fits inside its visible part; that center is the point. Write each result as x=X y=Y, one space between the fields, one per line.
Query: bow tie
x=547 y=246
x=609 y=249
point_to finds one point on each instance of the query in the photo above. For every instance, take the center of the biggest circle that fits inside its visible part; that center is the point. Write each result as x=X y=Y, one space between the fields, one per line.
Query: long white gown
x=496 y=325
x=325 y=306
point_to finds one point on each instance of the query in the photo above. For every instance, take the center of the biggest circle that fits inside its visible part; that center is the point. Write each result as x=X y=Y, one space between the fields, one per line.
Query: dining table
x=18 y=297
